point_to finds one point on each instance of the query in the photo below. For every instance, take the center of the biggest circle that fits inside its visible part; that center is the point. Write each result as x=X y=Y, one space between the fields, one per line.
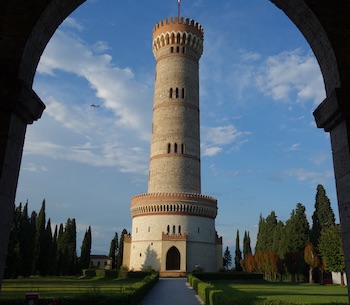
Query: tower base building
x=173 y=225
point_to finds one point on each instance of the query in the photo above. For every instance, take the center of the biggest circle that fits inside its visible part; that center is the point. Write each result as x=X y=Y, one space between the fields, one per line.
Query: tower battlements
x=182 y=24
x=178 y=31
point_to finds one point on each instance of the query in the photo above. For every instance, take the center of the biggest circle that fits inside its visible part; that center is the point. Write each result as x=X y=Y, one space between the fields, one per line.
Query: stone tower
x=173 y=225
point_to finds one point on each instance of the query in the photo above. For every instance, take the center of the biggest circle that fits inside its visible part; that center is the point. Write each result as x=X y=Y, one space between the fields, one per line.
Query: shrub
x=89 y=272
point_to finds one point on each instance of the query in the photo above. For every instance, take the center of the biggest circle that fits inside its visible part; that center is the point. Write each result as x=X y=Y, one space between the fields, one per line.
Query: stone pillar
x=334 y=116
x=16 y=111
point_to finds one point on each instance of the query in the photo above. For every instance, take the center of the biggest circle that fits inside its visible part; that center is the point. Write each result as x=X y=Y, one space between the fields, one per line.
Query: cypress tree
x=297 y=237
x=246 y=245
x=119 y=257
x=227 y=259
x=113 y=249
x=61 y=251
x=71 y=236
x=266 y=231
x=238 y=254
x=46 y=247
x=39 y=240
x=86 y=250
x=323 y=216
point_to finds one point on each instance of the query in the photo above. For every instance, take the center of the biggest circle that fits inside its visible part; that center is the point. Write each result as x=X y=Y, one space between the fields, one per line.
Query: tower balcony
x=174 y=204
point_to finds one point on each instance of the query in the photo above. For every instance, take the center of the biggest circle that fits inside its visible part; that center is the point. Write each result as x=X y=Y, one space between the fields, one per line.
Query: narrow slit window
x=171 y=92
x=183 y=93
x=175 y=148
x=168 y=229
x=172 y=50
x=177 y=92
x=177 y=49
x=179 y=229
x=169 y=148
x=182 y=148
x=174 y=229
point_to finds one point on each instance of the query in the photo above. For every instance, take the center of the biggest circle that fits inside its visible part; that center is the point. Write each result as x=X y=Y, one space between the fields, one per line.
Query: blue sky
x=259 y=84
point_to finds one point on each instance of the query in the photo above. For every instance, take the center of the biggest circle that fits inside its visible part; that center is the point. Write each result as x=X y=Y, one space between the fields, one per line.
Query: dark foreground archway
x=173 y=259
x=27 y=26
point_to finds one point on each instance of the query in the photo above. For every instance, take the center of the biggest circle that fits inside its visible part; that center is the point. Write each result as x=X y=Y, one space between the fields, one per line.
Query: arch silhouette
x=325 y=27
x=173 y=259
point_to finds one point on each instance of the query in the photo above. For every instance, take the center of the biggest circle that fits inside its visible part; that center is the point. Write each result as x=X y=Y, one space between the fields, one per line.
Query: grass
x=299 y=293
x=64 y=286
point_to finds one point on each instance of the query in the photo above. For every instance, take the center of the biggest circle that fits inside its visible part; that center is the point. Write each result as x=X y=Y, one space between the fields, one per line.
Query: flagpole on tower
x=178 y=8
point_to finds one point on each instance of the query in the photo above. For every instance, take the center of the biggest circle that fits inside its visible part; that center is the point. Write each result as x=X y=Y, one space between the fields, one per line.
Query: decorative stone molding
x=174 y=203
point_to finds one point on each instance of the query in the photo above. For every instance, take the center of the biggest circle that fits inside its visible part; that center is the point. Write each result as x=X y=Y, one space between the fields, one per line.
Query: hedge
x=210 y=295
x=131 y=296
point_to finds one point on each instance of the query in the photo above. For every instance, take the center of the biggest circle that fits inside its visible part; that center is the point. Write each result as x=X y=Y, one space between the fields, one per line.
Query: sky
x=259 y=84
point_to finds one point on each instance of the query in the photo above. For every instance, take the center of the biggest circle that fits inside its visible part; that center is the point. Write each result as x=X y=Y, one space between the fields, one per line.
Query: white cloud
x=116 y=87
x=291 y=76
x=295 y=147
x=211 y=151
x=31 y=167
x=215 y=138
x=70 y=22
x=313 y=177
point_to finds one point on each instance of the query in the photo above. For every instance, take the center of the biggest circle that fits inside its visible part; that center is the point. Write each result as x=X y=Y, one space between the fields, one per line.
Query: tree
x=227 y=259
x=331 y=248
x=323 y=215
x=39 y=259
x=266 y=231
x=250 y=263
x=71 y=233
x=297 y=236
x=27 y=241
x=238 y=254
x=119 y=257
x=113 y=249
x=246 y=244
x=86 y=250
x=312 y=258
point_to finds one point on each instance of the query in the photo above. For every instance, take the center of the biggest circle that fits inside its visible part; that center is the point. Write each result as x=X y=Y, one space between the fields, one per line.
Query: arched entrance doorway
x=173 y=259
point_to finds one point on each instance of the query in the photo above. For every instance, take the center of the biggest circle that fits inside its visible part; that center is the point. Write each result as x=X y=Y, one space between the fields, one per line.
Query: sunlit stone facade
x=173 y=225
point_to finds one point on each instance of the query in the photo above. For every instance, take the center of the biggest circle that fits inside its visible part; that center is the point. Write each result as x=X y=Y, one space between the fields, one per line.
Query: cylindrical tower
x=175 y=148
x=173 y=225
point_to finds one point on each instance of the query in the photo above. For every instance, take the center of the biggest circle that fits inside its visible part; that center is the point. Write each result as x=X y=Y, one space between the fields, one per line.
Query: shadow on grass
x=263 y=292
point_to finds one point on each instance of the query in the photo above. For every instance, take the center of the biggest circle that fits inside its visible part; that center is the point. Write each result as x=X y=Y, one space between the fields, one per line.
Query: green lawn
x=64 y=286
x=299 y=293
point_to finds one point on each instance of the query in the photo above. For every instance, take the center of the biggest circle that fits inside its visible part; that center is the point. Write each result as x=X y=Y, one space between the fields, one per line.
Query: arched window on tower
x=175 y=148
x=169 y=148
x=177 y=92
x=168 y=229
x=172 y=50
x=183 y=93
x=179 y=229
x=184 y=50
x=171 y=92
x=182 y=148
x=177 y=49
x=174 y=229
